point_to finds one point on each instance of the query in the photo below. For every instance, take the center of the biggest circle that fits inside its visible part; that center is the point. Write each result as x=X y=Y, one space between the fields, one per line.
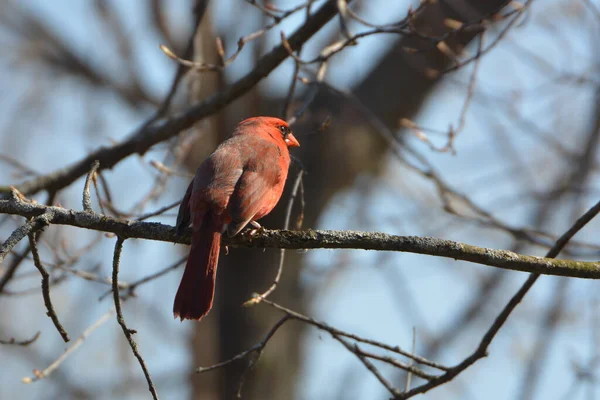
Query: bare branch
x=257 y=298
x=150 y=134
x=87 y=200
x=315 y=239
x=392 y=361
x=46 y=372
x=334 y=331
x=486 y=340
x=27 y=342
x=31 y=226
x=24 y=169
x=46 y=288
x=159 y=211
x=418 y=131
x=411 y=362
x=130 y=287
x=254 y=350
x=18 y=258
x=128 y=332
x=368 y=364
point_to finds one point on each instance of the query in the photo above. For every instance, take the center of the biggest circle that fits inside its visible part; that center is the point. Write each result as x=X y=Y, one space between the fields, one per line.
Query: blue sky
x=367 y=291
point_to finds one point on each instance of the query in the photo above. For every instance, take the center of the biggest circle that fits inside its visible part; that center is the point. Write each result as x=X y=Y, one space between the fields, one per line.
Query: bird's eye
x=284 y=130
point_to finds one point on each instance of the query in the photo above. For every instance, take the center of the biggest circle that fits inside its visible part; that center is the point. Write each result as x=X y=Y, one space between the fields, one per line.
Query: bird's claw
x=253 y=231
x=255 y=224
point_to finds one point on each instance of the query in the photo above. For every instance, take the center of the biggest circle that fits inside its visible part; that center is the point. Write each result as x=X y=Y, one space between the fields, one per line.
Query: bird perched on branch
x=239 y=183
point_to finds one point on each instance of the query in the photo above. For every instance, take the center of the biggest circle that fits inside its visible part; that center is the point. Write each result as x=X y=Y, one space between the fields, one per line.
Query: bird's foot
x=252 y=231
x=258 y=228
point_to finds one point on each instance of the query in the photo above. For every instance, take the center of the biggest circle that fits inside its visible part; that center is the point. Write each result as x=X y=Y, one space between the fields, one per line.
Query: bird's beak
x=291 y=141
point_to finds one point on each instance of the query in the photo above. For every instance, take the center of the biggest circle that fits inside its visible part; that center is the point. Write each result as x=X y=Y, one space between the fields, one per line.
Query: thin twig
x=517 y=14
x=394 y=362
x=130 y=287
x=159 y=211
x=241 y=43
x=11 y=269
x=78 y=342
x=258 y=351
x=155 y=131
x=487 y=338
x=46 y=288
x=295 y=76
x=97 y=190
x=368 y=364
x=257 y=298
x=18 y=258
x=199 y=11
x=256 y=348
x=27 y=342
x=18 y=234
x=428 y=171
x=471 y=88
x=90 y=276
x=128 y=332
x=577 y=226
x=87 y=199
x=18 y=164
x=411 y=362
x=312 y=95
x=452 y=133
x=334 y=331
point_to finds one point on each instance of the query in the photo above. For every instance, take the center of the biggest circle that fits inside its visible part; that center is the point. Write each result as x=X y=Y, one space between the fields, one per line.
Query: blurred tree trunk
x=395 y=88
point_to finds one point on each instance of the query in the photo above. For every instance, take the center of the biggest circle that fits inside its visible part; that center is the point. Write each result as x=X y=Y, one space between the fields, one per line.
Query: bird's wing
x=252 y=192
x=214 y=183
x=184 y=216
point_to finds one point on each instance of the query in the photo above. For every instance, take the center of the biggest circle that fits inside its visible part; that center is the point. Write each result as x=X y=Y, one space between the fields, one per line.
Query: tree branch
x=74 y=346
x=121 y=320
x=314 y=239
x=27 y=342
x=150 y=134
x=24 y=230
x=46 y=288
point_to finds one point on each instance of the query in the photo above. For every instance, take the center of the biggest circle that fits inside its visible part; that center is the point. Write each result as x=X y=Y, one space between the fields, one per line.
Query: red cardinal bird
x=238 y=184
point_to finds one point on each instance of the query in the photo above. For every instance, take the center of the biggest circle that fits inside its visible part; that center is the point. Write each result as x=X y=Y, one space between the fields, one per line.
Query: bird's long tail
x=194 y=297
